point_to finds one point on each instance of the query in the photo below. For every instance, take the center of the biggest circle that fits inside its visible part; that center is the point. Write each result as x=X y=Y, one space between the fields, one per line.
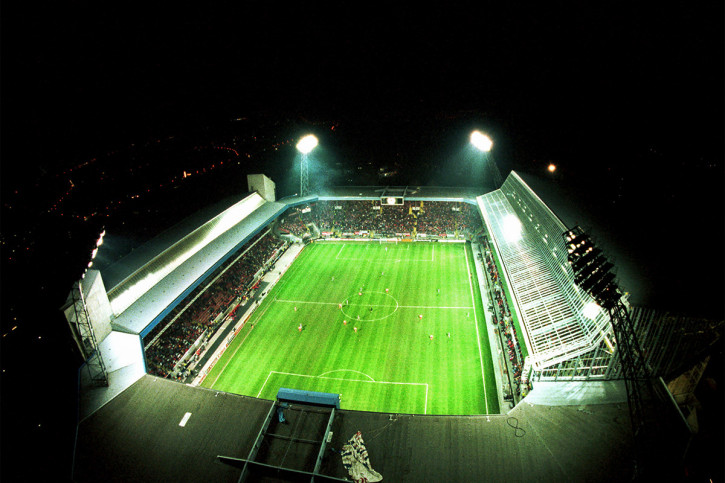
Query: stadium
x=405 y=333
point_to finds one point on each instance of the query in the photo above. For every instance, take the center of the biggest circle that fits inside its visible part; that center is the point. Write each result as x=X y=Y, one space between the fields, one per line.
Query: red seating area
x=293 y=222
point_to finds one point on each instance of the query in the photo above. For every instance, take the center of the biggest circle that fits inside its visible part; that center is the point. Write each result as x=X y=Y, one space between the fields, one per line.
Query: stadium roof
x=121 y=254
x=527 y=237
x=170 y=275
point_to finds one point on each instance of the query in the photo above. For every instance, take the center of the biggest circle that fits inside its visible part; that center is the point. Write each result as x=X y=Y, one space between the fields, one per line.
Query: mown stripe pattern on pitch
x=385 y=365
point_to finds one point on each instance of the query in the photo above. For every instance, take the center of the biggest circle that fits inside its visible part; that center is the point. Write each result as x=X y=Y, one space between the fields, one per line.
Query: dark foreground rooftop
x=137 y=437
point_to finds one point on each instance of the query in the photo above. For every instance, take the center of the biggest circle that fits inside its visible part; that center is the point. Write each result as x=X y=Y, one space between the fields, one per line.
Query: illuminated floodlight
x=307 y=144
x=591 y=310
x=511 y=228
x=481 y=141
x=551 y=167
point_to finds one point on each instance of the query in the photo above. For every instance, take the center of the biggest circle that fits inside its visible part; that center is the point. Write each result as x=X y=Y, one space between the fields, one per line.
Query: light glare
x=590 y=310
x=307 y=144
x=511 y=228
x=481 y=141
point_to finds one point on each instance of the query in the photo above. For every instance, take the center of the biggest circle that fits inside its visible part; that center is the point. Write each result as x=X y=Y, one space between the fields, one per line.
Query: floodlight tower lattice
x=304 y=177
x=304 y=146
x=87 y=338
x=592 y=273
x=484 y=144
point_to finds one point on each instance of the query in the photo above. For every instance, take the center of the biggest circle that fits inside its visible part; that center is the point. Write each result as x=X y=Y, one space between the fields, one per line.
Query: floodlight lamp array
x=592 y=271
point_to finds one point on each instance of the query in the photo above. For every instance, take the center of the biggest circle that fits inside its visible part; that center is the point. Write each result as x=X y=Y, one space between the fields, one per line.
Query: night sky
x=626 y=99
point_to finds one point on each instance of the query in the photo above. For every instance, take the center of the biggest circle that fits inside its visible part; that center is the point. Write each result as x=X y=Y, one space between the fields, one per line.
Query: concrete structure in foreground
x=130 y=428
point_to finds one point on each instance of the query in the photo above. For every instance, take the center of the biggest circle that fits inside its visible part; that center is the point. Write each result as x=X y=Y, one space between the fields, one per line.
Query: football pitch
x=397 y=296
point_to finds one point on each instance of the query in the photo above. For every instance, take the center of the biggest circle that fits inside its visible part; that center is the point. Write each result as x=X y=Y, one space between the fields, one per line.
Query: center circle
x=369 y=306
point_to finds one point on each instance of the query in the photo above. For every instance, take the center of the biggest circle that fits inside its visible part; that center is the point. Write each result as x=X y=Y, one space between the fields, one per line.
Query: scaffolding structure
x=653 y=427
x=82 y=330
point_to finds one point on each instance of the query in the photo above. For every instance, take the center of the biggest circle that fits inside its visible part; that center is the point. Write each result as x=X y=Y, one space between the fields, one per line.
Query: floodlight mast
x=484 y=144
x=592 y=273
x=305 y=146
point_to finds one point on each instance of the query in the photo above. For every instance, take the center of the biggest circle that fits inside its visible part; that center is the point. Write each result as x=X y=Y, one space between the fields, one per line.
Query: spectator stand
x=500 y=310
x=502 y=371
x=414 y=219
x=198 y=317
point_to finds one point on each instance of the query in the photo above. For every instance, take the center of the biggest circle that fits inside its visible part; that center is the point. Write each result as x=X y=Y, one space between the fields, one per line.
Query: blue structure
x=325 y=399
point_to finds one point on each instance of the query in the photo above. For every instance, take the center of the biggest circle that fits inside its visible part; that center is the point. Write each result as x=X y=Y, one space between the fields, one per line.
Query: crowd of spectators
x=431 y=218
x=200 y=311
x=294 y=222
x=502 y=318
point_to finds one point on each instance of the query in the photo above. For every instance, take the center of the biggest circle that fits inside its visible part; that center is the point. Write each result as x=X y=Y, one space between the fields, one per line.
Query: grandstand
x=168 y=311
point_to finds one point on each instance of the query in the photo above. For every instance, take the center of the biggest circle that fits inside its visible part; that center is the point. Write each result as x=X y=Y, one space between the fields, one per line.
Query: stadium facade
x=560 y=336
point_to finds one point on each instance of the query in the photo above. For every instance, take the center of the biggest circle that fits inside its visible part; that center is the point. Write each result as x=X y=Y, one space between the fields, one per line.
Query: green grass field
x=390 y=364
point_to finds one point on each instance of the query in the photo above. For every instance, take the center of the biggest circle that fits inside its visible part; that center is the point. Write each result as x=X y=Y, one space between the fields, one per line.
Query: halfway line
x=374 y=305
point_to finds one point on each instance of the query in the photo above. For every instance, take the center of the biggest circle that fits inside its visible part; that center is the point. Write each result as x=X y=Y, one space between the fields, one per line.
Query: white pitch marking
x=305 y=302
x=432 y=307
x=265 y=383
x=425 y=409
x=374 y=305
x=240 y=344
x=475 y=318
x=185 y=419
x=338 y=253
x=373 y=259
x=353 y=380
x=347 y=370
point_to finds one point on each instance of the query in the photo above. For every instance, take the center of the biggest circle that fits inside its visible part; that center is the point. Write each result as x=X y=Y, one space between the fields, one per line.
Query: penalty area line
x=265 y=383
x=425 y=403
x=351 y=380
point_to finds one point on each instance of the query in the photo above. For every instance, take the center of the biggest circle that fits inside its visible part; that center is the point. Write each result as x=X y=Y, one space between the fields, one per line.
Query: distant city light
x=99 y=242
x=307 y=144
x=551 y=168
x=481 y=141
